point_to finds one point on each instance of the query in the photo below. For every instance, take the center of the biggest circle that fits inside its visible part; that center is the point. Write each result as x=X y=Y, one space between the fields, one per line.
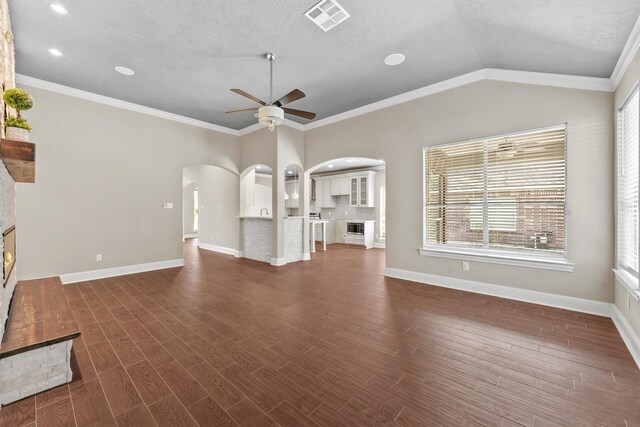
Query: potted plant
x=17 y=127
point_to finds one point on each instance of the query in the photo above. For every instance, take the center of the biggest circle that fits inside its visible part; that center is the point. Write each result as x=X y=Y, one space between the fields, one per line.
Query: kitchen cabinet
x=340 y=231
x=327 y=200
x=340 y=186
x=317 y=185
x=362 y=190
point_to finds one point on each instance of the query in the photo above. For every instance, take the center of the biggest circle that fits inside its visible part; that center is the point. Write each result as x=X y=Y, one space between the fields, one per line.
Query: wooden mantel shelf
x=19 y=157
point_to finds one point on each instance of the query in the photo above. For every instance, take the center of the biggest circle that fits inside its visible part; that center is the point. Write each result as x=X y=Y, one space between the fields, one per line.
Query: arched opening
x=256 y=192
x=210 y=207
x=349 y=193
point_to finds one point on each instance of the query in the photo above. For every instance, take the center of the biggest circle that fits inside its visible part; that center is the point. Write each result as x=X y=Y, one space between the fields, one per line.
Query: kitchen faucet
x=264 y=209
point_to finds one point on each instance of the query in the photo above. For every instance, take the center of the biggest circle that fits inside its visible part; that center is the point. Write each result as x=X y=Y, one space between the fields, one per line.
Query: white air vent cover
x=326 y=14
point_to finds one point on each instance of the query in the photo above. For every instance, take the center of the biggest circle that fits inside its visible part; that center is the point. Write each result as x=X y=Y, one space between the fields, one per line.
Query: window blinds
x=504 y=193
x=628 y=158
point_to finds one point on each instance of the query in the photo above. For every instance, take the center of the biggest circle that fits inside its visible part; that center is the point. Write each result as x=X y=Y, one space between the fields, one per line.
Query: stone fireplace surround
x=7 y=220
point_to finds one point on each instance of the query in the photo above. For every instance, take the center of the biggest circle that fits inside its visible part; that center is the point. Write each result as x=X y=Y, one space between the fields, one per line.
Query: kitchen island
x=256 y=238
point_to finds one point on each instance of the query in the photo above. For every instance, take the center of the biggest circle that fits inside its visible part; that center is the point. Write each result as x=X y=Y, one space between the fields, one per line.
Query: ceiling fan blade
x=294 y=95
x=300 y=113
x=242 y=111
x=248 y=95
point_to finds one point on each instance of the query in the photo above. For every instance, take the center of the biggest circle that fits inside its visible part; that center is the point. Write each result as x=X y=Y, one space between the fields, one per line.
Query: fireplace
x=9 y=253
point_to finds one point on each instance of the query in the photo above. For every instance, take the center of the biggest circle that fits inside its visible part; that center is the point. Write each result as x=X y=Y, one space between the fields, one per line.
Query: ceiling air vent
x=326 y=14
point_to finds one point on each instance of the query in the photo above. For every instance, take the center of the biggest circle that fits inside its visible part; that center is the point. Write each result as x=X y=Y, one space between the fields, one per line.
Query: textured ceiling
x=187 y=58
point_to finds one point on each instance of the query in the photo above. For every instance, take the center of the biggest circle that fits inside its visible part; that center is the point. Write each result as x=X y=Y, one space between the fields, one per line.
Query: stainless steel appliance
x=356 y=228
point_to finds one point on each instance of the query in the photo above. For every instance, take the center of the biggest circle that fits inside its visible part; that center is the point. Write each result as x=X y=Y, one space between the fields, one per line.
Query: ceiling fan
x=272 y=114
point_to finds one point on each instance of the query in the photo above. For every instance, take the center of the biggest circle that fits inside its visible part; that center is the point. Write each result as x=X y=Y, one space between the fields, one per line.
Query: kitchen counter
x=257 y=239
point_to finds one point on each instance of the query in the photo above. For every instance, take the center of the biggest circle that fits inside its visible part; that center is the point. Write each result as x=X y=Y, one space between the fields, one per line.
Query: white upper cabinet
x=362 y=188
x=340 y=186
x=327 y=200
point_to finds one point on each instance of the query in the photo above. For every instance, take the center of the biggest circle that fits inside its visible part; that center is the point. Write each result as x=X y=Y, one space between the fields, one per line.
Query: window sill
x=504 y=259
x=629 y=282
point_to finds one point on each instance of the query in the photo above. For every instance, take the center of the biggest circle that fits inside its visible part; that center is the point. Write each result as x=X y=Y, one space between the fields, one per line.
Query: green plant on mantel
x=19 y=100
x=17 y=122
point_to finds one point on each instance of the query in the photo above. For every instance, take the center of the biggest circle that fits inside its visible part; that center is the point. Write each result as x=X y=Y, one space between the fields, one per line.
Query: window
x=195 y=210
x=500 y=195
x=383 y=212
x=627 y=191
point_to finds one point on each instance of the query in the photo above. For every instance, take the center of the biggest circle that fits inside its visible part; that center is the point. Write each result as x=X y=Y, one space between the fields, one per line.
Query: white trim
x=219 y=249
x=380 y=245
x=629 y=336
x=239 y=254
x=190 y=236
x=547 y=79
x=250 y=129
x=306 y=256
x=525 y=77
x=536 y=297
x=113 y=102
x=119 y=271
x=625 y=280
x=278 y=262
x=628 y=52
x=503 y=259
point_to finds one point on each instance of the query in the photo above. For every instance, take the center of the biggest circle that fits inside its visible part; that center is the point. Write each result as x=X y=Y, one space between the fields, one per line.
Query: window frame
x=521 y=258
x=623 y=277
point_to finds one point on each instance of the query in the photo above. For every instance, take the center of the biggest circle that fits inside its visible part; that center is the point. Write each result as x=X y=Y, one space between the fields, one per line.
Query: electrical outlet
x=465 y=266
x=99 y=258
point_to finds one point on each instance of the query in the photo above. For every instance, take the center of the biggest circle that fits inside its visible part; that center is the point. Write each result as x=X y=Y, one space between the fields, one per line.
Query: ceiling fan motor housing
x=270 y=116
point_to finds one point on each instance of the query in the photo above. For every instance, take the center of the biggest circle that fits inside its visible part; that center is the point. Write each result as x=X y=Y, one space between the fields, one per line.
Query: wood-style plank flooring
x=330 y=342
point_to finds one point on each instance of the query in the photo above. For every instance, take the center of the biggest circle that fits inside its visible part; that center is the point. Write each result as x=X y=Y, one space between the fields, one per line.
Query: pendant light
x=286 y=196
x=295 y=195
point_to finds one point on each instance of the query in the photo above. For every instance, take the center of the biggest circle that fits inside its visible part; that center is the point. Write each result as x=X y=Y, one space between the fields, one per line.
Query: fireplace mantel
x=19 y=157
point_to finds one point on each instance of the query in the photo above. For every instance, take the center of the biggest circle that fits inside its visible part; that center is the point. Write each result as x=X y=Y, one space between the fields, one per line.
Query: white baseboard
x=119 y=271
x=629 y=336
x=190 y=236
x=239 y=254
x=306 y=256
x=220 y=249
x=560 y=301
x=381 y=245
x=278 y=261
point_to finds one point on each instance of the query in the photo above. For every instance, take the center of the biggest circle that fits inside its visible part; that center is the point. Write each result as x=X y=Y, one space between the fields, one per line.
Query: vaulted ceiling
x=187 y=58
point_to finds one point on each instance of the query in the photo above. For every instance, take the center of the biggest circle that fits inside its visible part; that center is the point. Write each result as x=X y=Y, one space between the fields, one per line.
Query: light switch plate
x=465 y=265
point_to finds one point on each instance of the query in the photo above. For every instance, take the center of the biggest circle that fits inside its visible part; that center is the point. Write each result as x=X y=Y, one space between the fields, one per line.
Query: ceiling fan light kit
x=272 y=114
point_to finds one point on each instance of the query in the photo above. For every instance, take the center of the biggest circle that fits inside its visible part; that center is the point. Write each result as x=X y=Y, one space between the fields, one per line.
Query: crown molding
x=513 y=76
x=113 y=102
x=629 y=51
x=547 y=79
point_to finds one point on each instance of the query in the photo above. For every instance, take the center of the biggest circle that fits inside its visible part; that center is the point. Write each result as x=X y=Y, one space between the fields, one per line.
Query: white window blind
x=503 y=193
x=628 y=158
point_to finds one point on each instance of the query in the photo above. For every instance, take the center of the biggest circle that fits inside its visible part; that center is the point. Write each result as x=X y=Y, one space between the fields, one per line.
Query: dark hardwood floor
x=330 y=342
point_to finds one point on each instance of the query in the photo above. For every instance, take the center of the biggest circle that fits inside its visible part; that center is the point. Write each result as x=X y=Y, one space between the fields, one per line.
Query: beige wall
x=628 y=82
x=398 y=134
x=219 y=197
x=102 y=175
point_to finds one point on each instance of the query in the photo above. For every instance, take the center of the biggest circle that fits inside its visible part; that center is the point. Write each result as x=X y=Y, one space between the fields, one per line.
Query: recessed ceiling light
x=258 y=167
x=330 y=166
x=58 y=8
x=124 y=70
x=380 y=161
x=352 y=160
x=289 y=172
x=55 y=52
x=394 y=59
